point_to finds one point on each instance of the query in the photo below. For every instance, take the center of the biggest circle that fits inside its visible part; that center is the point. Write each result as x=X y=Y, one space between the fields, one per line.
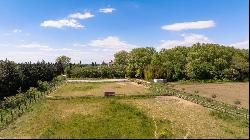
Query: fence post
x=1 y=117
x=34 y=97
x=12 y=117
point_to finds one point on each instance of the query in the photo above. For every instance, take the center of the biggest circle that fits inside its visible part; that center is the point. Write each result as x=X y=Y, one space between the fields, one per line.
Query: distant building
x=111 y=63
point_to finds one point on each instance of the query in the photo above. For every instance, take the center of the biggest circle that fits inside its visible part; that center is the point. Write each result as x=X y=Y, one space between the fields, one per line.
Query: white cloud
x=189 y=40
x=61 y=23
x=17 y=31
x=41 y=47
x=111 y=42
x=189 y=25
x=85 y=15
x=241 y=45
x=106 y=10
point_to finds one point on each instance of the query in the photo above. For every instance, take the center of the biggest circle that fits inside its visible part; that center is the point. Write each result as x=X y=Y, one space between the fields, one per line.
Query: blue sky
x=93 y=30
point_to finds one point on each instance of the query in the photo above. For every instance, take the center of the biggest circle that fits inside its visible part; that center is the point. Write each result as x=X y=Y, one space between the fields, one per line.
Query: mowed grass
x=230 y=93
x=98 y=89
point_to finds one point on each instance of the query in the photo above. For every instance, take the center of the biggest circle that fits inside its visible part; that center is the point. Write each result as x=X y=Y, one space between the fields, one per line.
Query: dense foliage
x=14 y=77
x=198 y=62
x=102 y=71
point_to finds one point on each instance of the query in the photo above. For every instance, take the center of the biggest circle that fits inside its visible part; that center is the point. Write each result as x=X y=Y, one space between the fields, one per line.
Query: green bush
x=43 y=86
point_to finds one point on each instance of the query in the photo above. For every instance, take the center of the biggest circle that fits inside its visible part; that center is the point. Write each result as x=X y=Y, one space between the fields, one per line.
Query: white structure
x=160 y=80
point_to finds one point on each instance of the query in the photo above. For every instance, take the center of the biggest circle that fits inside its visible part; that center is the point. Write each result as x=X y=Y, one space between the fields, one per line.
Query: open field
x=97 y=89
x=121 y=117
x=225 y=92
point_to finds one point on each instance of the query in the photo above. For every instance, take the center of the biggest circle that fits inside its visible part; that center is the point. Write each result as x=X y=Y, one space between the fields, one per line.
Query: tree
x=138 y=59
x=120 y=58
x=63 y=59
x=173 y=61
x=103 y=63
x=10 y=79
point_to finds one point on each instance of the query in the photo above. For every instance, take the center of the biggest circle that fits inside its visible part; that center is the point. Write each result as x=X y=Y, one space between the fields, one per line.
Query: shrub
x=31 y=92
x=196 y=91
x=237 y=102
x=214 y=96
x=42 y=86
x=209 y=100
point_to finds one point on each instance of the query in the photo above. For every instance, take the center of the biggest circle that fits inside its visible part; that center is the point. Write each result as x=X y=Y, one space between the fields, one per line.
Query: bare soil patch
x=225 y=92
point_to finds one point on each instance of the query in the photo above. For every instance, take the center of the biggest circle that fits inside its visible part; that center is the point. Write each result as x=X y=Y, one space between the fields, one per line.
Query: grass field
x=121 y=117
x=97 y=89
x=231 y=93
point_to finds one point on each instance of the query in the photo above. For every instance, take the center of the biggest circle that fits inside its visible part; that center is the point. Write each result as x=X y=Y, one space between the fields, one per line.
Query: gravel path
x=102 y=80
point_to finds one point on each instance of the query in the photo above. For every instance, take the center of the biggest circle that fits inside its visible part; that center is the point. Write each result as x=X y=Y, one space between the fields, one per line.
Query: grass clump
x=196 y=91
x=237 y=102
x=214 y=96
x=230 y=119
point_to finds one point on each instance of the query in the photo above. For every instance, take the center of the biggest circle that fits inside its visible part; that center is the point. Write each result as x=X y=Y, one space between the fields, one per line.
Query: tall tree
x=138 y=59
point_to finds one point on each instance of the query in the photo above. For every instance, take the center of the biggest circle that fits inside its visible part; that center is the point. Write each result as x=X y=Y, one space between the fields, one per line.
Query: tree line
x=198 y=62
x=93 y=71
x=19 y=77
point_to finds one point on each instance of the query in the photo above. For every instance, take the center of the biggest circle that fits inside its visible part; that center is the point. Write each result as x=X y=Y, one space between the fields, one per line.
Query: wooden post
x=1 y=117
x=34 y=97
x=12 y=116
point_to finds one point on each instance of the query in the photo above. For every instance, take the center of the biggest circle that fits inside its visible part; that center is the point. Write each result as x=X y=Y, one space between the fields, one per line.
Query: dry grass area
x=225 y=92
x=188 y=120
x=98 y=89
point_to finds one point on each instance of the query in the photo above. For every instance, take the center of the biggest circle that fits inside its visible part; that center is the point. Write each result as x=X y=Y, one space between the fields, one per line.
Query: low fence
x=9 y=114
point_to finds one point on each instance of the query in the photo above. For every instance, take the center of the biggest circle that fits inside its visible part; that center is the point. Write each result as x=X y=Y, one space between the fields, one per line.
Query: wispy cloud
x=42 y=47
x=188 y=40
x=32 y=45
x=111 y=42
x=79 y=45
x=17 y=31
x=189 y=25
x=84 y=15
x=106 y=10
x=62 y=23
x=241 y=45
